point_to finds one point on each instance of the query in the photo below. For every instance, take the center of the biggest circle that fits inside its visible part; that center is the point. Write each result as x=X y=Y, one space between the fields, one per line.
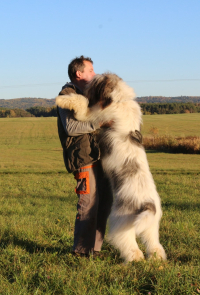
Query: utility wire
x=167 y=80
x=62 y=83
x=31 y=85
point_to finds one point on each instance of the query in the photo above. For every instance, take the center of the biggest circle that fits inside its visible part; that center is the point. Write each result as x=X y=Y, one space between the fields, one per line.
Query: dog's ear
x=110 y=82
x=94 y=90
x=100 y=89
x=108 y=87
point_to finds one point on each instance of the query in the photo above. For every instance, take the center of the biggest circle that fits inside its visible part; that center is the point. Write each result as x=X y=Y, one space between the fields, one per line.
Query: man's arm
x=73 y=127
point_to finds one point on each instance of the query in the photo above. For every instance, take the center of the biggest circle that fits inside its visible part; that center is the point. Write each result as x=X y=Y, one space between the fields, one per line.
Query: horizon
x=153 y=96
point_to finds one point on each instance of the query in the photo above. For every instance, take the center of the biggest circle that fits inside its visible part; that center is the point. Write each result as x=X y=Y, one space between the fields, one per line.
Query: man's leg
x=105 y=202
x=86 y=218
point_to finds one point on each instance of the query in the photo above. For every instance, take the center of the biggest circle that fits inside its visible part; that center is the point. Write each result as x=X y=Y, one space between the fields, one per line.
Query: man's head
x=81 y=71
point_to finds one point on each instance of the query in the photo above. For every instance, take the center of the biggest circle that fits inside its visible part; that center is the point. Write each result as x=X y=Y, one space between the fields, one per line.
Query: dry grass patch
x=186 y=145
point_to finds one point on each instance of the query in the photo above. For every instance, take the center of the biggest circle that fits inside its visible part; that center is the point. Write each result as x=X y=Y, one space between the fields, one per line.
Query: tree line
x=43 y=111
x=170 y=108
x=169 y=99
x=31 y=112
x=12 y=113
x=147 y=109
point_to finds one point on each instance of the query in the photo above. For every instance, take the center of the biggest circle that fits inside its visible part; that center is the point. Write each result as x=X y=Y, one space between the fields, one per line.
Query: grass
x=172 y=133
x=37 y=212
x=30 y=144
x=179 y=125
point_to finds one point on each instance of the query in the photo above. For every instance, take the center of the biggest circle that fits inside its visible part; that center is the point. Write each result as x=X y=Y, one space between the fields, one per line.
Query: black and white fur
x=136 y=210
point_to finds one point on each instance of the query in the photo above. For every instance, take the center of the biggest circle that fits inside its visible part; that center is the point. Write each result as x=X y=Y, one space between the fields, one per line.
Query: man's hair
x=77 y=65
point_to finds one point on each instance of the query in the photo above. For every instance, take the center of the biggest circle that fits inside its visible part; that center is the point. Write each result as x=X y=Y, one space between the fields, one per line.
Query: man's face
x=88 y=72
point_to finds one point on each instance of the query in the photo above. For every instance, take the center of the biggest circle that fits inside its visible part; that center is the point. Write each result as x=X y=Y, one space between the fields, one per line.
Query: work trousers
x=94 y=205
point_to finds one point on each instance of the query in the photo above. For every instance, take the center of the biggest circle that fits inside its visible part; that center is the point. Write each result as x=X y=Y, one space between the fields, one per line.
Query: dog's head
x=100 y=88
x=107 y=88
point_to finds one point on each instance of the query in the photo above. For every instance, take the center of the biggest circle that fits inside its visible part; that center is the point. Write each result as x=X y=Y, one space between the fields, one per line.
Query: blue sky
x=154 y=45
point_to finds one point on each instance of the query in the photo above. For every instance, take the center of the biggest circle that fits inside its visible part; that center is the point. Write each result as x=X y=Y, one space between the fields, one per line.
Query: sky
x=153 y=45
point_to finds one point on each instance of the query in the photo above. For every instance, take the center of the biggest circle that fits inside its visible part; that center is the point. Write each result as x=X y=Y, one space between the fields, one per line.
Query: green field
x=174 y=125
x=38 y=207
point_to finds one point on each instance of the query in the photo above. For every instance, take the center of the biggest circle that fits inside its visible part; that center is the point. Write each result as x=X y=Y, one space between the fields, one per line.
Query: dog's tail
x=122 y=219
x=76 y=102
x=145 y=217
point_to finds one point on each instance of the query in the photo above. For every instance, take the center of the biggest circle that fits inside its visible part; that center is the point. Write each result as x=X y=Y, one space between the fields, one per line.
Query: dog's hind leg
x=124 y=239
x=150 y=238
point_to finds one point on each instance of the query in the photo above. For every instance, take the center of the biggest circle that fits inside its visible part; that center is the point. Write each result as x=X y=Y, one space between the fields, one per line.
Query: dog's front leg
x=76 y=102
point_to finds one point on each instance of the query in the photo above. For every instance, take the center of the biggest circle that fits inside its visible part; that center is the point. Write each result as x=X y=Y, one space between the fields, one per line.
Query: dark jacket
x=78 y=151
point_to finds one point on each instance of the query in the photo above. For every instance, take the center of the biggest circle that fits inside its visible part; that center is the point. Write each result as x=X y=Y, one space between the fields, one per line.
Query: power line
x=132 y=81
x=167 y=80
x=32 y=85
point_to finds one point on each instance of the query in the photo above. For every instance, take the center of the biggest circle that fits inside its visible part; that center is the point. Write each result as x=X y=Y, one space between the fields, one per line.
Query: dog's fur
x=136 y=210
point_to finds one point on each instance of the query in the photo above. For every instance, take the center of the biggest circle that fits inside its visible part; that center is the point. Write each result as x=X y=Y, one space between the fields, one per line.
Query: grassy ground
x=175 y=125
x=38 y=207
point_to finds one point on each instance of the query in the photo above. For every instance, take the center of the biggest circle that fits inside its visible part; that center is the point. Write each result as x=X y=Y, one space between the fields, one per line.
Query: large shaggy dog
x=136 y=210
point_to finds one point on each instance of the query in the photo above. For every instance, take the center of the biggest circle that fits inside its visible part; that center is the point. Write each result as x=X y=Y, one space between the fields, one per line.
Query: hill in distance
x=28 y=102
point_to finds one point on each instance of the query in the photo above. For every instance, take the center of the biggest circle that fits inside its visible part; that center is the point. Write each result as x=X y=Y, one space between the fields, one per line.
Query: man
x=82 y=157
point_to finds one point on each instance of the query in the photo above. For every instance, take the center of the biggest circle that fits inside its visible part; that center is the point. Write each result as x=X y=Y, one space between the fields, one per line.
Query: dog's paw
x=134 y=255
x=76 y=102
x=157 y=254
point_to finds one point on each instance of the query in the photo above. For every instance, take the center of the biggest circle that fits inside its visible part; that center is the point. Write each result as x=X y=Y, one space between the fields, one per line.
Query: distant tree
x=43 y=111
x=12 y=113
x=170 y=108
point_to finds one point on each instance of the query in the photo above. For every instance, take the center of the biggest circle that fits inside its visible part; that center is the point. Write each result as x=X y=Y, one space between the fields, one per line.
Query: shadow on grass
x=181 y=206
x=164 y=151
x=153 y=151
x=173 y=150
x=34 y=172
x=61 y=247
x=34 y=247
